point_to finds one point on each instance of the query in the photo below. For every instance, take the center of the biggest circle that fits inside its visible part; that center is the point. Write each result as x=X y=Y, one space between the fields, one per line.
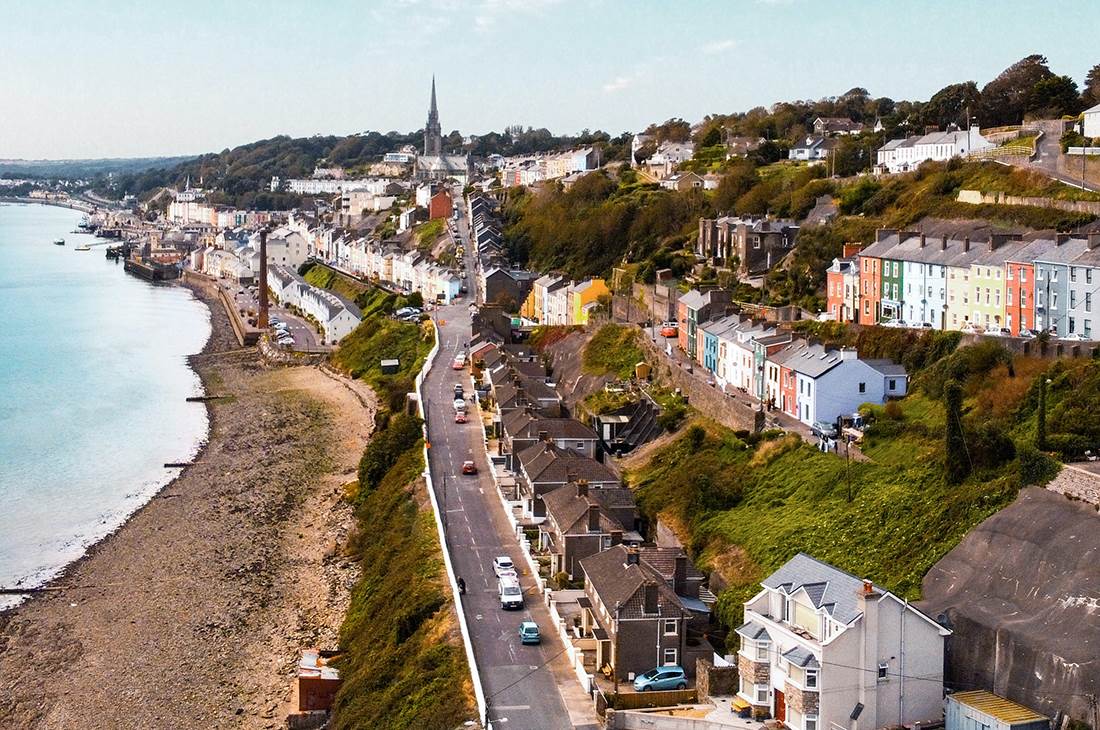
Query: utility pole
x=848 y=465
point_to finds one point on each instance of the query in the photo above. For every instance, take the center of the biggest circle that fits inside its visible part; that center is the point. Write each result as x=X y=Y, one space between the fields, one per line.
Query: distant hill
x=83 y=169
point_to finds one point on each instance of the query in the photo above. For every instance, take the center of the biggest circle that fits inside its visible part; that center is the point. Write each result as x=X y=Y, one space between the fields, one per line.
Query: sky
x=127 y=78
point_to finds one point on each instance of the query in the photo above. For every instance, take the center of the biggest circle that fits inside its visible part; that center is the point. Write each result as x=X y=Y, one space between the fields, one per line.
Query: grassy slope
x=380 y=338
x=744 y=509
x=404 y=664
x=613 y=350
x=370 y=299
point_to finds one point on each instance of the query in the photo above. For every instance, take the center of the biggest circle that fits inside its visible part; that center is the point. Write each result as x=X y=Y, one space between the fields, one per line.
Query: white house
x=1090 y=122
x=821 y=649
x=831 y=383
x=336 y=316
x=902 y=155
x=812 y=149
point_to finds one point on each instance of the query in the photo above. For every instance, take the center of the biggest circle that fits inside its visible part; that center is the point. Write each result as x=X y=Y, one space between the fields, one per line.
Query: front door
x=780 y=707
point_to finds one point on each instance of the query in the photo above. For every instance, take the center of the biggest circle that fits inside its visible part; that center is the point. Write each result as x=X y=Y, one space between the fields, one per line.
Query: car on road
x=460 y=405
x=469 y=467
x=459 y=390
x=459 y=362
x=503 y=564
x=670 y=329
x=823 y=429
x=511 y=595
x=661 y=678
x=460 y=417
x=529 y=633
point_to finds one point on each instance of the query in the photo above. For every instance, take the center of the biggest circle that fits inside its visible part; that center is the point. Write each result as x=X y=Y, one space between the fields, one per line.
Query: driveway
x=526 y=687
x=305 y=337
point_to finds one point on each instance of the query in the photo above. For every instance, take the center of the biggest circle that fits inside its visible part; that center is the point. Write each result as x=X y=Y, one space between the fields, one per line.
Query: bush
x=1033 y=466
x=1069 y=445
x=671 y=415
x=892 y=410
x=385 y=447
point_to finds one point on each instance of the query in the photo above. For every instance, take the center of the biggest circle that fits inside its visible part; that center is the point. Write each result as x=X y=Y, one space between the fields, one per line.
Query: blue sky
x=124 y=78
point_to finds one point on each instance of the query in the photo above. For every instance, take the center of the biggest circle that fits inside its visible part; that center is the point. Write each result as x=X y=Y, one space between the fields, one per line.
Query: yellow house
x=582 y=297
x=530 y=305
x=987 y=282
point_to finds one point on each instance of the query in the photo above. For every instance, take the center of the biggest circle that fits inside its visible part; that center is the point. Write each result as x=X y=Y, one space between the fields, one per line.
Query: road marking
x=512 y=707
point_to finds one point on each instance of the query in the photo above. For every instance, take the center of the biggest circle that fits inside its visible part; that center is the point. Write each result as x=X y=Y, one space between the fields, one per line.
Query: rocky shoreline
x=193 y=612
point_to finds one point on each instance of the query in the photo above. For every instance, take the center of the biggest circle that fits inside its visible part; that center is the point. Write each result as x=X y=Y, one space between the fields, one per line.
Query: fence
x=475 y=675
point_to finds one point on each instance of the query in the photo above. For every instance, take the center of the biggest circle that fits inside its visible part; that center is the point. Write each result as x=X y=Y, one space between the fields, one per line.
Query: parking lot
x=305 y=337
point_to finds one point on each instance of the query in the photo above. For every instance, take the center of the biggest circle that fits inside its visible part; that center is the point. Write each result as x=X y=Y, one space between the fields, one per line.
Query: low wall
x=711 y=401
x=977 y=197
x=711 y=680
x=642 y=700
x=246 y=336
x=633 y=720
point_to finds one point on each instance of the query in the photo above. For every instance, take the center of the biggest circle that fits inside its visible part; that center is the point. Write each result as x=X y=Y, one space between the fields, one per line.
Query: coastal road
x=1051 y=162
x=526 y=687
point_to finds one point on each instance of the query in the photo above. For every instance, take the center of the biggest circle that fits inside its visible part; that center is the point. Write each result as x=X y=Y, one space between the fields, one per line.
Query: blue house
x=711 y=332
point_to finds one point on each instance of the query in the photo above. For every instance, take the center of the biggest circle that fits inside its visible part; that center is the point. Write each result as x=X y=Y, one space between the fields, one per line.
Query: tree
x=956 y=458
x=1041 y=417
x=739 y=180
x=949 y=105
x=1004 y=99
x=1053 y=97
x=1090 y=95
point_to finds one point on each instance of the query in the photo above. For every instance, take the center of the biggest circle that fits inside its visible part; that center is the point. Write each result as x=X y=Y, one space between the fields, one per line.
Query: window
x=606 y=542
x=1088 y=301
x=1087 y=331
x=761 y=651
x=1039 y=274
x=811 y=679
x=1009 y=274
x=761 y=694
x=1088 y=276
x=893 y=384
x=1054 y=300
x=669 y=656
x=863 y=387
x=670 y=626
x=1072 y=325
x=1072 y=298
x=883 y=671
x=1054 y=275
x=811 y=722
x=1073 y=273
x=1023 y=275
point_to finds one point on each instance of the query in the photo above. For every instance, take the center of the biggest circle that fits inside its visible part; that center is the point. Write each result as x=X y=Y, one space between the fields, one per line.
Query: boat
x=59 y=241
x=83 y=247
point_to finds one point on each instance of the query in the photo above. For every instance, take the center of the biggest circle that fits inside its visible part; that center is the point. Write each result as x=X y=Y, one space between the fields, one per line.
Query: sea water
x=93 y=386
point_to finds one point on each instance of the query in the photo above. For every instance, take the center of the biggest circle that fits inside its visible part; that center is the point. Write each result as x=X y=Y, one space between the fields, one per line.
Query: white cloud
x=619 y=83
x=488 y=12
x=716 y=47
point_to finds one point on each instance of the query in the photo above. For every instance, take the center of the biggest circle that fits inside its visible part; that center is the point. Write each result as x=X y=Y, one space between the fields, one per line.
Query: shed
x=390 y=367
x=642 y=370
x=981 y=710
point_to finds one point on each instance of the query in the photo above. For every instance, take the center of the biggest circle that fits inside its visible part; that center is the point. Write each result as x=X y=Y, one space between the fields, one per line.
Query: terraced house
x=822 y=649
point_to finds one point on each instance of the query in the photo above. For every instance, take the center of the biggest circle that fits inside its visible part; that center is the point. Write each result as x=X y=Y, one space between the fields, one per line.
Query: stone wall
x=709 y=400
x=757 y=672
x=801 y=701
x=711 y=680
x=977 y=197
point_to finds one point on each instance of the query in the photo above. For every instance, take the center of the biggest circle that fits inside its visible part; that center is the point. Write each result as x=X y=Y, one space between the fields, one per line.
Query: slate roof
x=886 y=367
x=663 y=561
x=570 y=511
x=801 y=657
x=828 y=587
x=618 y=583
x=753 y=631
x=546 y=463
x=814 y=361
x=521 y=424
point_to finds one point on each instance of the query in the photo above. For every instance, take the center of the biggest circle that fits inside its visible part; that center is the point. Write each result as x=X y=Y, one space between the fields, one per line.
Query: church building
x=434 y=164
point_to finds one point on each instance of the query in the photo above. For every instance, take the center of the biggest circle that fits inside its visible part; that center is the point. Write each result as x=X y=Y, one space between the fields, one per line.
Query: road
x=526 y=687
x=1050 y=161
x=305 y=337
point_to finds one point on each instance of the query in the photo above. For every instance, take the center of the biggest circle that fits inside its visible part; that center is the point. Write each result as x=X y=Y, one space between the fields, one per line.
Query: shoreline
x=268 y=594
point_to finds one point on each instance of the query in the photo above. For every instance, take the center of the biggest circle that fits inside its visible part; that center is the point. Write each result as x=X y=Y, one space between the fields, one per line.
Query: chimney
x=631 y=557
x=943 y=242
x=966 y=244
x=1061 y=238
x=923 y=240
x=649 y=602
x=868 y=587
x=1094 y=240
x=593 y=516
x=679 y=576
x=996 y=240
x=544 y=436
x=582 y=487
x=849 y=353
x=616 y=537
x=883 y=233
x=851 y=249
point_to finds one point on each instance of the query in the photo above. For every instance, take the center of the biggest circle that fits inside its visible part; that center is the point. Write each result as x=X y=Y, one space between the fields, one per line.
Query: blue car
x=671 y=677
x=529 y=633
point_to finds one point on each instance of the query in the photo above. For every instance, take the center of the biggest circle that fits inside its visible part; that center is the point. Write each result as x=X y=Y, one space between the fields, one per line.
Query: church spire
x=433 y=132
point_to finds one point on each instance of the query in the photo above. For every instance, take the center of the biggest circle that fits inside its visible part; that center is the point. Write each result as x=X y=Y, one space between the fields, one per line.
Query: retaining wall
x=1077 y=483
x=977 y=197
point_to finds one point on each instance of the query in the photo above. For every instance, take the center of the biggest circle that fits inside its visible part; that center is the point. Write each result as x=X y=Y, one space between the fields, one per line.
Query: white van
x=511 y=595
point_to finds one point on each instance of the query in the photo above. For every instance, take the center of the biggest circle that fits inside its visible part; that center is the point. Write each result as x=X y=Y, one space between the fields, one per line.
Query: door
x=780 y=707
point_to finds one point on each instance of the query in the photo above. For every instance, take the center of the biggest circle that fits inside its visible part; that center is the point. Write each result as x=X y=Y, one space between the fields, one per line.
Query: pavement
x=1050 y=161
x=526 y=687
x=305 y=337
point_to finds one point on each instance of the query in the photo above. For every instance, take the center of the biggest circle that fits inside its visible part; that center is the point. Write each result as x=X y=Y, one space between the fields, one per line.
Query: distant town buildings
x=434 y=164
x=751 y=244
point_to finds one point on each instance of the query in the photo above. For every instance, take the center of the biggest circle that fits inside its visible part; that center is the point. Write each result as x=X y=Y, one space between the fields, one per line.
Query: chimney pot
x=868 y=587
x=943 y=242
x=631 y=557
x=582 y=487
x=923 y=240
x=1061 y=238
x=966 y=243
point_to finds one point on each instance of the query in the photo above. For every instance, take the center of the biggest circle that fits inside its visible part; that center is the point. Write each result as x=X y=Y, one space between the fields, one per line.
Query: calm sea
x=93 y=381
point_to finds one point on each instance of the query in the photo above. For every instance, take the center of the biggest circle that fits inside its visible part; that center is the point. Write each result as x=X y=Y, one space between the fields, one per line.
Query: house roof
x=547 y=463
x=1000 y=708
x=827 y=586
x=886 y=367
x=801 y=657
x=663 y=561
x=521 y=424
x=814 y=361
x=754 y=631
x=569 y=511
x=619 y=583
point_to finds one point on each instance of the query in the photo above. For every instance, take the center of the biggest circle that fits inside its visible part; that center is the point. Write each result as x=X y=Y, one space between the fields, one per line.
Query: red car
x=469 y=467
x=669 y=329
x=460 y=417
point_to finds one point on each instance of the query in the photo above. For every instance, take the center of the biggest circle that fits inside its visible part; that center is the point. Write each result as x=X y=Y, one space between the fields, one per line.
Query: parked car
x=459 y=390
x=823 y=429
x=510 y=593
x=503 y=564
x=460 y=417
x=469 y=467
x=1075 y=337
x=460 y=405
x=661 y=678
x=670 y=329
x=529 y=633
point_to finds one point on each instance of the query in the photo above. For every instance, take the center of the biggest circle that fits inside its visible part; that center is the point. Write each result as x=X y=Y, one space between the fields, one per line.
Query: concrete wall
x=635 y=720
x=711 y=680
x=976 y=197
